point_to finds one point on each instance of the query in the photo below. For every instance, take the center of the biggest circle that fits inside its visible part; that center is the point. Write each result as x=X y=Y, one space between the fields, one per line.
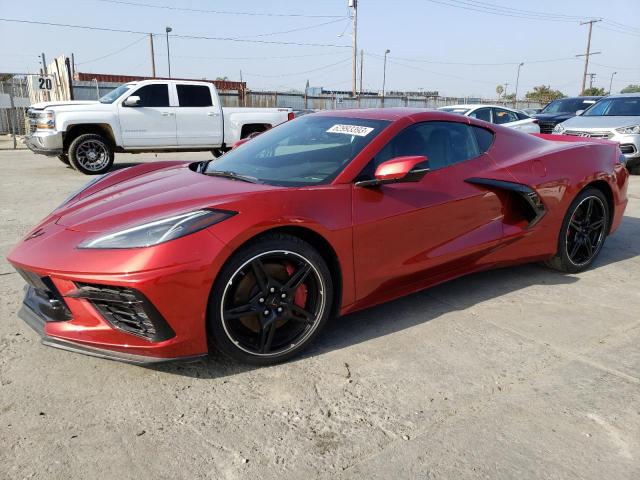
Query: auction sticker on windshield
x=351 y=130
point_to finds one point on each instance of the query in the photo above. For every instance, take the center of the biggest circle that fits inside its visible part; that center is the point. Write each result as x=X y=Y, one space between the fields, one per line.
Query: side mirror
x=132 y=101
x=397 y=170
x=579 y=112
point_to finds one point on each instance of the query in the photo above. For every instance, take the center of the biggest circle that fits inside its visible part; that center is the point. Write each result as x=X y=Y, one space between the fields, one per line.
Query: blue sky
x=434 y=45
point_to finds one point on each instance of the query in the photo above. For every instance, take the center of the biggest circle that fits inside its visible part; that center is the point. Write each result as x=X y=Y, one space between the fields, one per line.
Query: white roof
x=473 y=106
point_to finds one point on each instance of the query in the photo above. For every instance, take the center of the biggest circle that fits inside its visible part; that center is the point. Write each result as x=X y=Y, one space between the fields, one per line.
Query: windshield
x=310 y=150
x=568 y=105
x=615 y=107
x=461 y=111
x=113 y=95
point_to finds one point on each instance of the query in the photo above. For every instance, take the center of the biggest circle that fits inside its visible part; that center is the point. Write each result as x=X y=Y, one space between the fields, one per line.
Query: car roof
x=392 y=113
x=624 y=95
x=473 y=106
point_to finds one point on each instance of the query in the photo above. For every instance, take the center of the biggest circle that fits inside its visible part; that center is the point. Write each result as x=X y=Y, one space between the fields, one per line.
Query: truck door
x=150 y=123
x=198 y=116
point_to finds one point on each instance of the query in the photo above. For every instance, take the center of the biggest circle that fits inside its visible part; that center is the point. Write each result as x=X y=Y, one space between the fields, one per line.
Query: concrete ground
x=520 y=373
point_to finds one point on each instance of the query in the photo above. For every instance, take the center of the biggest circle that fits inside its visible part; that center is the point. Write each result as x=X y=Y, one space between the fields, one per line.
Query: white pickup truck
x=145 y=116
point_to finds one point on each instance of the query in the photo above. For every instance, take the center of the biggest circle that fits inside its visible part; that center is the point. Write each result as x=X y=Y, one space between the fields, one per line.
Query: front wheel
x=270 y=300
x=583 y=232
x=91 y=154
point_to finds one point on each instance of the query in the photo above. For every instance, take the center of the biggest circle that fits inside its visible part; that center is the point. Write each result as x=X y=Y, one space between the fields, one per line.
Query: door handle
x=166 y=114
x=213 y=114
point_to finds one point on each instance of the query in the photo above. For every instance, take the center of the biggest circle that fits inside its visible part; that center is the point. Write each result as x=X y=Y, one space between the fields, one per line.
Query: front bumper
x=629 y=144
x=173 y=281
x=45 y=143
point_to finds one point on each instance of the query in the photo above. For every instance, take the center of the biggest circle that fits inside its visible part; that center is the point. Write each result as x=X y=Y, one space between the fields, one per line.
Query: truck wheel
x=218 y=152
x=64 y=159
x=91 y=154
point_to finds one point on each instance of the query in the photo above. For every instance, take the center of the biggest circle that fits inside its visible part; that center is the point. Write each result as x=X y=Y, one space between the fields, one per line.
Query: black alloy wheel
x=269 y=303
x=583 y=232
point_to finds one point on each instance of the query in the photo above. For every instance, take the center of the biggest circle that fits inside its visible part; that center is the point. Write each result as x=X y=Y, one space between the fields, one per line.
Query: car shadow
x=120 y=166
x=428 y=305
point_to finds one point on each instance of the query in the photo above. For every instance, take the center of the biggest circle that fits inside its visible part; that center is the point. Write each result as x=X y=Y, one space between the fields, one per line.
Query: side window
x=501 y=116
x=482 y=114
x=484 y=138
x=194 y=96
x=443 y=143
x=154 y=95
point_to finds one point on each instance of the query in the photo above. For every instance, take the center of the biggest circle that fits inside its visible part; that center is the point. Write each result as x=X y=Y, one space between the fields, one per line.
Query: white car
x=146 y=116
x=498 y=115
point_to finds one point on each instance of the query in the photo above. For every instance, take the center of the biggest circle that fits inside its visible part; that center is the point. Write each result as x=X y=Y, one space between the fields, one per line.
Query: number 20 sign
x=45 y=83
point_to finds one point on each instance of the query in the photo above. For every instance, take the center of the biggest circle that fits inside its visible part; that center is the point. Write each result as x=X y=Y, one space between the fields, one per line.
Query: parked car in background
x=146 y=116
x=530 y=111
x=498 y=115
x=561 y=110
x=616 y=118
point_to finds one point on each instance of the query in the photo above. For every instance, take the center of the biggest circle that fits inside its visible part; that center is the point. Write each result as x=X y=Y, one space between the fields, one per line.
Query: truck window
x=194 y=96
x=154 y=95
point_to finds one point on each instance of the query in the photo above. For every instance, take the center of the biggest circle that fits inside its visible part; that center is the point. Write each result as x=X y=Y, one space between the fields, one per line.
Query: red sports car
x=321 y=216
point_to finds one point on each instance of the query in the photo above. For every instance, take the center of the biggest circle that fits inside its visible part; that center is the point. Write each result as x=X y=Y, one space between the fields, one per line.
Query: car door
x=198 y=117
x=151 y=123
x=509 y=118
x=408 y=233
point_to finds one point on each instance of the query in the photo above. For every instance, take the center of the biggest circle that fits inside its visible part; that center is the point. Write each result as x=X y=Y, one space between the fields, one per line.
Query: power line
x=478 y=64
x=476 y=8
x=218 y=12
x=619 y=31
x=114 y=52
x=291 y=74
x=299 y=29
x=188 y=37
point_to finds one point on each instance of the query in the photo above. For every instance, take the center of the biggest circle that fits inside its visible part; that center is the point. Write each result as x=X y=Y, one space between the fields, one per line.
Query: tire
x=91 y=154
x=270 y=321
x=64 y=159
x=582 y=234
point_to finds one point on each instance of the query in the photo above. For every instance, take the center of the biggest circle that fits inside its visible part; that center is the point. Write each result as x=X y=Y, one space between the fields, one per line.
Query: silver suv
x=616 y=118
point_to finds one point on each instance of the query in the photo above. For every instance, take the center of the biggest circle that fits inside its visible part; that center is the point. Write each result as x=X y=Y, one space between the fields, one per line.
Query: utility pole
x=353 y=4
x=167 y=30
x=361 y=64
x=515 y=100
x=591 y=76
x=384 y=73
x=588 y=52
x=44 y=64
x=504 y=94
x=611 y=81
x=153 y=56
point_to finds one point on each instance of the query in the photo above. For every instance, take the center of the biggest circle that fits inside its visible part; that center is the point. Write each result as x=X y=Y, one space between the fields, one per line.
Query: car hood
x=43 y=105
x=601 y=122
x=553 y=116
x=139 y=198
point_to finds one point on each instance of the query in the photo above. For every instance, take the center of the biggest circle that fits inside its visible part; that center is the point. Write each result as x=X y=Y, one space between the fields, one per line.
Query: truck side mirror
x=132 y=101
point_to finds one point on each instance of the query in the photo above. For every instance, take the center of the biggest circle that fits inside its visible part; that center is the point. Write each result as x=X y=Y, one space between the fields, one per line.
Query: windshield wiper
x=232 y=175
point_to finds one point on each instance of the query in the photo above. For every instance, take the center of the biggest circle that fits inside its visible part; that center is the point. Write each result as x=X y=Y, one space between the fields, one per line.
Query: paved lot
x=516 y=374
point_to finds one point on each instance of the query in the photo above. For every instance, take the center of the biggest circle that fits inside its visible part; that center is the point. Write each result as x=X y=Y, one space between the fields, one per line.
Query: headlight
x=159 y=231
x=630 y=130
x=46 y=120
x=559 y=128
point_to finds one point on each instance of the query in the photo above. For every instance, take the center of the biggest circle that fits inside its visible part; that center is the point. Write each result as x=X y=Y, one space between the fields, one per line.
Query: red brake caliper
x=300 y=297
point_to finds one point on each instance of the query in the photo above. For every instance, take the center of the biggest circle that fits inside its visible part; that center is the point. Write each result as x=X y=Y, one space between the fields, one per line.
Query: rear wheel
x=583 y=232
x=270 y=300
x=91 y=154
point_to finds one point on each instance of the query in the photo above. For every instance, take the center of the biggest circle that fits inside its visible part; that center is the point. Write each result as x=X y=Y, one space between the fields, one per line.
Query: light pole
x=384 y=72
x=611 y=81
x=515 y=100
x=167 y=30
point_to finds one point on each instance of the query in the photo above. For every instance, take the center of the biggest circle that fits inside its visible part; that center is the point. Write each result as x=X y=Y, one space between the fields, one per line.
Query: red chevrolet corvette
x=321 y=216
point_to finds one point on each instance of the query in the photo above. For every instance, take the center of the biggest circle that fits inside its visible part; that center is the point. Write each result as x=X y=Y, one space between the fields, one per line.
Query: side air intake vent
x=126 y=309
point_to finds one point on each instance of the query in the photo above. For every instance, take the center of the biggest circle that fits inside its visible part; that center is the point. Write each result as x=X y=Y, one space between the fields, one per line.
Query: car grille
x=44 y=298
x=628 y=149
x=126 y=309
x=546 y=127
x=590 y=134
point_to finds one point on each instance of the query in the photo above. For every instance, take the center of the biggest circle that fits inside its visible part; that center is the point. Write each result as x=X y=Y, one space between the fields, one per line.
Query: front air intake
x=126 y=309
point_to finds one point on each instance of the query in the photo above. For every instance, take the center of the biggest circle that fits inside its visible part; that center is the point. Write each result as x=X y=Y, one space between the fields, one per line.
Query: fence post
x=14 y=119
